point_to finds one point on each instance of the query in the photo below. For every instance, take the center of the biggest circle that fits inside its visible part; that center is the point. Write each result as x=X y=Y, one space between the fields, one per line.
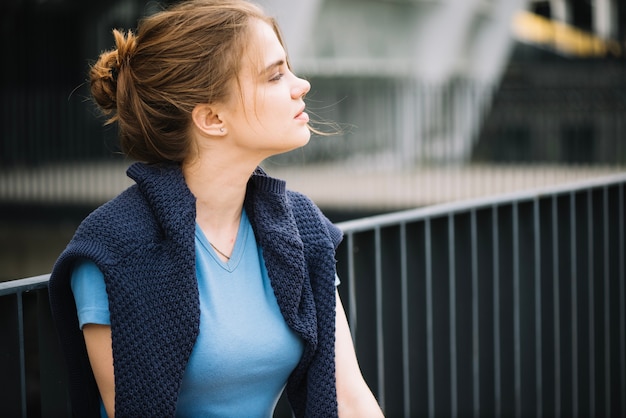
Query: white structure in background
x=423 y=46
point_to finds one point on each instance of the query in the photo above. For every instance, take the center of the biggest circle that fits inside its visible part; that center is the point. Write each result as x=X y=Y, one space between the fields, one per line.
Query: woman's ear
x=206 y=119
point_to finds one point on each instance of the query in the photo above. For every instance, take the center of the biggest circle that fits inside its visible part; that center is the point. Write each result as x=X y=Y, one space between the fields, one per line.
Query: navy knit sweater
x=143 y=242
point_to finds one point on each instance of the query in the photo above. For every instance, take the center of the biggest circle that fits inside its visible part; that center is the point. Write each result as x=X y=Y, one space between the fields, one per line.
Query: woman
x=206 y=288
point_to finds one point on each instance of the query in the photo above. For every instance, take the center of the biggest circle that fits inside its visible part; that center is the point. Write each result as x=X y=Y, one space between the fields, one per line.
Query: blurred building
x=562 y=98
x=414 y=78
x=411 y=80
x=439 y=82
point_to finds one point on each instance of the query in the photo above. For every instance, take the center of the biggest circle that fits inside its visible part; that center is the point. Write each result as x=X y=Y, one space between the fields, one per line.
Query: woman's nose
x=301 y=88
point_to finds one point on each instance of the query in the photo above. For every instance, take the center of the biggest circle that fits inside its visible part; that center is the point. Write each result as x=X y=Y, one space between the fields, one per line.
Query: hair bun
x=105 y=73
x=126 y=44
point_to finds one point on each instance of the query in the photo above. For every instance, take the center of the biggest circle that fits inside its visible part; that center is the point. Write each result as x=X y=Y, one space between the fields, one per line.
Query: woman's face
x=265 y=113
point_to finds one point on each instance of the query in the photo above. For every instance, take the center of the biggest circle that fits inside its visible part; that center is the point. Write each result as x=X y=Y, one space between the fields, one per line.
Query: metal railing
x=506 y=306
x=33 y=381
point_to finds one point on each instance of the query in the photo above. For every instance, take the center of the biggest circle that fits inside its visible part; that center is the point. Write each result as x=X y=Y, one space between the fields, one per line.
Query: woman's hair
x=180 y=57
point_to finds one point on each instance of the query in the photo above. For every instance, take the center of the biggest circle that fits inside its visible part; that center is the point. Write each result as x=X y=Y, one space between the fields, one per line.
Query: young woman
x=206 y=288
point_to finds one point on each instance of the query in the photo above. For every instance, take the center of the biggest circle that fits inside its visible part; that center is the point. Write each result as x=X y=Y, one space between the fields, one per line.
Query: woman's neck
x=220 y=189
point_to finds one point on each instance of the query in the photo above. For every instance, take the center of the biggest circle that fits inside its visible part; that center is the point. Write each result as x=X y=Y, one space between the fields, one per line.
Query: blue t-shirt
x=245 y=351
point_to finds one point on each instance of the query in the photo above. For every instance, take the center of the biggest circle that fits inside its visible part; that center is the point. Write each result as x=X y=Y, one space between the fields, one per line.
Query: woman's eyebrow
x=273 y=65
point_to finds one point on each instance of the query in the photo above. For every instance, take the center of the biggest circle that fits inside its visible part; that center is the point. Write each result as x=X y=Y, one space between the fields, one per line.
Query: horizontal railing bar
x=24 y=285
x=445 y=209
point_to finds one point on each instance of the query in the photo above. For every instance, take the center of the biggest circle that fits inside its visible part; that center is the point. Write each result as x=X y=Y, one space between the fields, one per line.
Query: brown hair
x=180 y=57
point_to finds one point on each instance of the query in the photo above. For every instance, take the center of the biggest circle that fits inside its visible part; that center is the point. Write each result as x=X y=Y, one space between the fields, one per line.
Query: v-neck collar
x=238 y=249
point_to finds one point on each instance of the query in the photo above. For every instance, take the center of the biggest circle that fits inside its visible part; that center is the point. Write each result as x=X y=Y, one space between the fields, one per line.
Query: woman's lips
x=302 y=116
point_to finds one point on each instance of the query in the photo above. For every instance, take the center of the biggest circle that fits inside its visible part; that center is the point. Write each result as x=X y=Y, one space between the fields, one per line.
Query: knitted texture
x=319 y=392
x=143 y=242
x=306 y=293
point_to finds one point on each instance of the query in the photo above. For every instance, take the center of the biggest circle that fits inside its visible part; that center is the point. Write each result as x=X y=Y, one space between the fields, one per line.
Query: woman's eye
x=277 y=77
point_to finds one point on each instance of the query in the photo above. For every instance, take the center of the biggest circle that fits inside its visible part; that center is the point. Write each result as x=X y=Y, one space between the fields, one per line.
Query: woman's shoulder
x=124 y=218
x=123 y=206
x=109 y=232
x=304 y=208
x=309 y=217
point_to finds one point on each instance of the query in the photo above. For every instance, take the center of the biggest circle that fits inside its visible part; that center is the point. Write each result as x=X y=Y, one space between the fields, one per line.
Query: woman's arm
x=98 y=342
x=354 y=397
